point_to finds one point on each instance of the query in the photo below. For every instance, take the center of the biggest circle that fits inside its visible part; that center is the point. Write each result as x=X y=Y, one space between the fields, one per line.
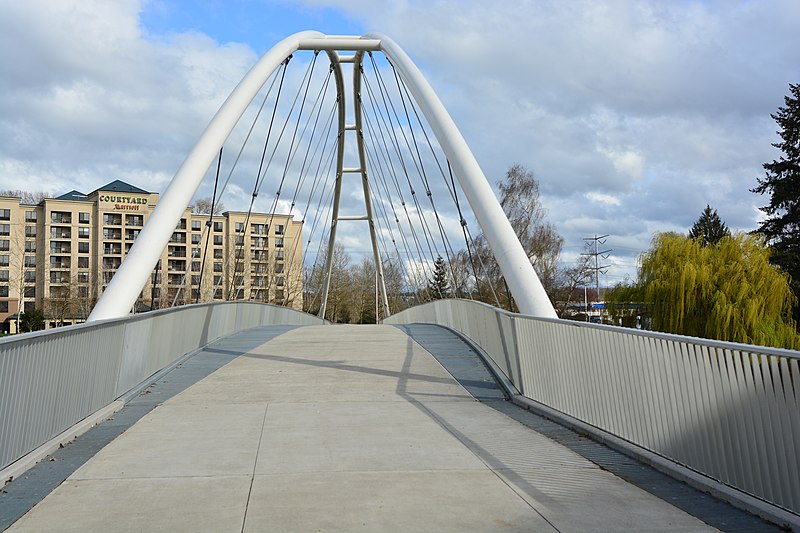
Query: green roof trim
x=75 y=196
x=121 y=186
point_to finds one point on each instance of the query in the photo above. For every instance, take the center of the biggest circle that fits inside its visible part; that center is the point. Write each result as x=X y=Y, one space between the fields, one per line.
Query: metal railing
x=50 y=380
x=728 y=411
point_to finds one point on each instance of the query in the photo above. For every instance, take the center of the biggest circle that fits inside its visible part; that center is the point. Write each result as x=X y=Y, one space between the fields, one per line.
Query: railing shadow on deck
x=722 y=415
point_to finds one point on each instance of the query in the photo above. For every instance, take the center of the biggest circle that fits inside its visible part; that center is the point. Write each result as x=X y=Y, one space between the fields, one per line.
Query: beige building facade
x=58 y=256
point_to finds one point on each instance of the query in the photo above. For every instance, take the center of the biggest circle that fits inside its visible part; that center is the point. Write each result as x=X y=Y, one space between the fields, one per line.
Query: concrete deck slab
x=183 y=441
x=202 y=504
x=390 y=502
x=341 y=428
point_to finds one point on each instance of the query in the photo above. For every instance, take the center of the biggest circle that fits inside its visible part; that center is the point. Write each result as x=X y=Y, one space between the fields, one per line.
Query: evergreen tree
x=438 y=286
x=782 y=181
x=709 y=228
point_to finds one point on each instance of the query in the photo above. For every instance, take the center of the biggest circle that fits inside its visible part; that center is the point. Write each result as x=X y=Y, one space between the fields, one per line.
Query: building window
x=5 y=245
x=195 y=266
x=279 y=255
x=258 y=229
x=181 y=224
x=57 y=247
x=30 y=292
x=279 y=229
x=83 y=218
x=217 y=240
x=5 y=214
x=30 y=246
x=134 y=220
x=217 y=266
x=217 y=253
x=3 y=275
x=195 y=238
x=4 y=260
x=111 y=262
x=195 y=280
x=30 y=261
x=83 y=292
x=218 y=294
x=217 y=226
x=217 y=280
x=60 y=233
x=258 y=242
x=83 y=277
x=196 y=225
x=30 y=276
x=58 y=293
x=59 y=262
x=60 y=217
x=83 y=262
x=3 y=307
x=112 y=219
x=112 y=234
x=30 y=231
x=110 y=248
x=83 y=247
x=176 y=251
x=279 y=267
x=3 y=291
x=279 y=281
x=57 y=276
x=30 y=216
x=5 y=229
x=279 y=242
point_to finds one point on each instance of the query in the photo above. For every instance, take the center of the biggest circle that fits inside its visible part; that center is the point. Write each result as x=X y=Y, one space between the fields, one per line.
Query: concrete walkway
x=341 y=428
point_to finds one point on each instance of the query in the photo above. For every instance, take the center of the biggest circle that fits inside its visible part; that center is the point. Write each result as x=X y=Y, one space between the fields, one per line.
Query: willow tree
x=726 y=291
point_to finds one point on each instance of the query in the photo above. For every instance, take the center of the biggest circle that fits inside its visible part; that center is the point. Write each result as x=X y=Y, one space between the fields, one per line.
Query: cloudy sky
x=633 y=115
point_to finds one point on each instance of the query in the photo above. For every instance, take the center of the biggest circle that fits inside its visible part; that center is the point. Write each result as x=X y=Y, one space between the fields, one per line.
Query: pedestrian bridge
x=449 y=416
x=249 y=417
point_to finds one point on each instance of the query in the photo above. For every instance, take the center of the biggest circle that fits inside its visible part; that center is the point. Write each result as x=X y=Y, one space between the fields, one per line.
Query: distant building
x=59 y=255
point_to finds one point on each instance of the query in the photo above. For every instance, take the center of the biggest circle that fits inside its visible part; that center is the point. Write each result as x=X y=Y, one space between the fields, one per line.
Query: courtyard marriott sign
x=124 y=203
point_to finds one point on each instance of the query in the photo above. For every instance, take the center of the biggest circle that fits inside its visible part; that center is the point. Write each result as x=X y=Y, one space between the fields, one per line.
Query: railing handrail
x=21 y=337
x=700 y=341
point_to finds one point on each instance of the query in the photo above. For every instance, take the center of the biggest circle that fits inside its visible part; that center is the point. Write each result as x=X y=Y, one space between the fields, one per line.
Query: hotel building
x=58 y=256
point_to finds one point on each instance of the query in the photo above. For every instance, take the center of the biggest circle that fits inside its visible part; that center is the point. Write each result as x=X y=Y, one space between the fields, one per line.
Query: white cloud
x=633 y=114
x=602 y=198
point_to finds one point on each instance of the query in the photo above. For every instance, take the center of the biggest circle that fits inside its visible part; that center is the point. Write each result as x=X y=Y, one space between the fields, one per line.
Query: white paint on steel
x=512 y=259
x=337 y=191
x=380 y=293
x=127 y=283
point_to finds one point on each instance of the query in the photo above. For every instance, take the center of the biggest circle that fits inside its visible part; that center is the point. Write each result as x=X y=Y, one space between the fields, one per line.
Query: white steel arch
x=121 y=293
